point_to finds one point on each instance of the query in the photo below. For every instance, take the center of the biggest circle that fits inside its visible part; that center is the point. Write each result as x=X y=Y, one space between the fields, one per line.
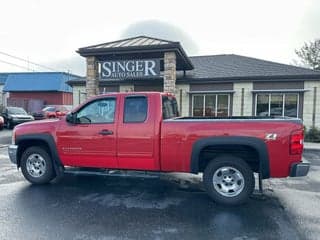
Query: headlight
x=32 y=118
x=15 y=119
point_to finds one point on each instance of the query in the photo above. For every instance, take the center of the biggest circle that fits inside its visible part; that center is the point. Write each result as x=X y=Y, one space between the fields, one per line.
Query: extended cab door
x=91 y=140
x=138 y=133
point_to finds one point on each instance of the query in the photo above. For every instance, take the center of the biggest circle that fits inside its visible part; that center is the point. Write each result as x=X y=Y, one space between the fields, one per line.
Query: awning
x=211 y=91
x=280 y=90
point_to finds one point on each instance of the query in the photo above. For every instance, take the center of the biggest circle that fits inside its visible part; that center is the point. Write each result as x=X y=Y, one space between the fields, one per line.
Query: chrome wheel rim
x=36 y=165
x=228 y=181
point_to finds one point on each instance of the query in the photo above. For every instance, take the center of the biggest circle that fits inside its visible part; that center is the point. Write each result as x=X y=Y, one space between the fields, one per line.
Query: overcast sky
x=49 y=32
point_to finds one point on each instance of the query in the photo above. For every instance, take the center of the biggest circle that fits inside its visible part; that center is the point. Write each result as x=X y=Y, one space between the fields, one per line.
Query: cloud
x=158 y=29
x=75 y=65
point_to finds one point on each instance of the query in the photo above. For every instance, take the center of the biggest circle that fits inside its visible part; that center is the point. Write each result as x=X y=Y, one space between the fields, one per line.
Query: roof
x=148 y=46
x=3 y=78
x=132 y=42
x=233 y=66
x=38 y=81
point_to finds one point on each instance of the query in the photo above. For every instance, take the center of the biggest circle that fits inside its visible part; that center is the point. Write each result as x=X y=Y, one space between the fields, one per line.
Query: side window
x=169 y=107
x=135 y=109
x=100 y=111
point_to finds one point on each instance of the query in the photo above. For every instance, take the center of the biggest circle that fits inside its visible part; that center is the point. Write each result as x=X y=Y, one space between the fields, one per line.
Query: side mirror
x=70 y=118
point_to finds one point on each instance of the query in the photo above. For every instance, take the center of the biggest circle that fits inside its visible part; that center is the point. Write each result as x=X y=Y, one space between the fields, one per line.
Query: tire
x=228 y=180
x=10 y=125
x=36 y=165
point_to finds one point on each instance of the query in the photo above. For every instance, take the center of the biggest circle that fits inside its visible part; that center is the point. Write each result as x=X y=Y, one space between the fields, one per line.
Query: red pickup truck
x=143 y=131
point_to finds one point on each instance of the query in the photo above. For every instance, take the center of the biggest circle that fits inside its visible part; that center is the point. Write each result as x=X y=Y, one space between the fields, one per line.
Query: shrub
x=312 y=135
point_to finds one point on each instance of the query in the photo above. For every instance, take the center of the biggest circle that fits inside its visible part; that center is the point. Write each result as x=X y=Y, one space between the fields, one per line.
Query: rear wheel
x=228 y=180
x=36 y=165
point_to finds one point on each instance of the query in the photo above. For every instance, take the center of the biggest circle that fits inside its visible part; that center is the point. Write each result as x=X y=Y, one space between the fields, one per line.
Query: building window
x=211 y=105
x=277 y=104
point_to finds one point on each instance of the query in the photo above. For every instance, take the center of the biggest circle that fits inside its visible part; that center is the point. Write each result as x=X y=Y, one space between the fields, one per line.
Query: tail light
x=296 y=142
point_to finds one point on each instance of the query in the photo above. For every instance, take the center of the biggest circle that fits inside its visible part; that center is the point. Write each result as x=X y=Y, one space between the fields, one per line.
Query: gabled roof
x=38 y=81
x=149 y=47
x=131 y=42
x=233 y=66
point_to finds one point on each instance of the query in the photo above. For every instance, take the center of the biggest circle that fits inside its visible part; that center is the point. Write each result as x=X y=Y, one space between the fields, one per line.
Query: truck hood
x=40 y=126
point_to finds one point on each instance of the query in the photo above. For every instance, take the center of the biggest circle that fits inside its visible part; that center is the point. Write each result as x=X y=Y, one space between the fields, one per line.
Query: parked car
x=54 y=111
x=143 y=131
x=14 y=116
x=1 y=123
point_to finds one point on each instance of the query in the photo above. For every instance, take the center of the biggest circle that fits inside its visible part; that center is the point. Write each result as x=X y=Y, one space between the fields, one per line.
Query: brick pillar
x=92 y=83
x=169 y=81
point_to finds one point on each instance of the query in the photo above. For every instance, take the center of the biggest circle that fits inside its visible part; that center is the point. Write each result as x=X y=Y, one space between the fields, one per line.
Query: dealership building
x=213 y=86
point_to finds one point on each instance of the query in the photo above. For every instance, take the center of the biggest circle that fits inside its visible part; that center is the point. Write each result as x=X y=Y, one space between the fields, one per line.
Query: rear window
x=135 y=109
x=169 y=107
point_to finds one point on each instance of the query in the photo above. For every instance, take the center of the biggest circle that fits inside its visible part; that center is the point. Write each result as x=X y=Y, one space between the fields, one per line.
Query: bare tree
x=309 y=54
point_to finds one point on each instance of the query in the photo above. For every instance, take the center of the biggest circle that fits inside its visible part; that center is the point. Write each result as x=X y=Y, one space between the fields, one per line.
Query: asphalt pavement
x=138 y=206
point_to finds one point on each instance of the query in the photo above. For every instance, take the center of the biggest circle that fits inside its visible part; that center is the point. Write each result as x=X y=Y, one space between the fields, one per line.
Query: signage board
x=124 y=69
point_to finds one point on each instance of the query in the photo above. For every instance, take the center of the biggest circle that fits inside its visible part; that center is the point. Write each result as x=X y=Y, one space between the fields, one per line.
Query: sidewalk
x=312 y=146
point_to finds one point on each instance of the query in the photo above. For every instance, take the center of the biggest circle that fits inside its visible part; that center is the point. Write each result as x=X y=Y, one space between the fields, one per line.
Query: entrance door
x=91 y=142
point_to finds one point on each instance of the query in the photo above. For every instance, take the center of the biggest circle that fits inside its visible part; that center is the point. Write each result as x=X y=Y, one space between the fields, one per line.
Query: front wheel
x=36 y=165
x=10 y=124
x=228 y=180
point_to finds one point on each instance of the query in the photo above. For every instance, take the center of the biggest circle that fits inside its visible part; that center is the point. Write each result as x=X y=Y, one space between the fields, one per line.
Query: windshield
x=17 y=110
x=49 y=109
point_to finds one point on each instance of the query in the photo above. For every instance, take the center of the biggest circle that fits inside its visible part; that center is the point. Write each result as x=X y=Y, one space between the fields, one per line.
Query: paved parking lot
x=153 y=207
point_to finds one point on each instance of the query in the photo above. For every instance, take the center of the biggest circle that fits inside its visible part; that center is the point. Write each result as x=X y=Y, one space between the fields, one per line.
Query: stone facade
x=242 y=99
x=169 y=76
x=92 y=83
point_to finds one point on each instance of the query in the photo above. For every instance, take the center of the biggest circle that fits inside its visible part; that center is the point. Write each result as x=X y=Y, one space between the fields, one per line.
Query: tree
x=310 y=54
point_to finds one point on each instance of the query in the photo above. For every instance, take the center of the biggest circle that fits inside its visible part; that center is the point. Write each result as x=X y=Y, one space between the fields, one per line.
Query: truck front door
x=91 y=140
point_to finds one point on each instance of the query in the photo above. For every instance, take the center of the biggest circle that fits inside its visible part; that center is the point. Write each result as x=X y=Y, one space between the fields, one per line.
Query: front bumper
x=12 y=150
x=299 y=169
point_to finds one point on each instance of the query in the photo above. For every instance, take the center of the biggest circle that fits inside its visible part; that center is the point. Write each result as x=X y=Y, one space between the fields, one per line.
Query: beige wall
x=308 y=100
x=185 y=98
x=77 y=99
x=247 y=107
x=126 y=88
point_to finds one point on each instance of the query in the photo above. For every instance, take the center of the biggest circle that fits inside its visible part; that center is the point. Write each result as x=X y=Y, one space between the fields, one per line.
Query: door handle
x=106 y=132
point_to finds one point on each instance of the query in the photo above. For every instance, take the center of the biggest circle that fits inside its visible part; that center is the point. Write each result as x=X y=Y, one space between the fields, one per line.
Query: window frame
x=283 y=102
x=216 y=103
x=92 y=102
x=124 y=109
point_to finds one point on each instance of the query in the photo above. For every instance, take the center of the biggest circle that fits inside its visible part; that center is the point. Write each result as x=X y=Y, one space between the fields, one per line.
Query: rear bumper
x=12 y=151
x=299 y=169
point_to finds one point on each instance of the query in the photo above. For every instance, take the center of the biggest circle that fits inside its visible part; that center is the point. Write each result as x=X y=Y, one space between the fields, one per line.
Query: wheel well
x=23 y=145
x=248 y=154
